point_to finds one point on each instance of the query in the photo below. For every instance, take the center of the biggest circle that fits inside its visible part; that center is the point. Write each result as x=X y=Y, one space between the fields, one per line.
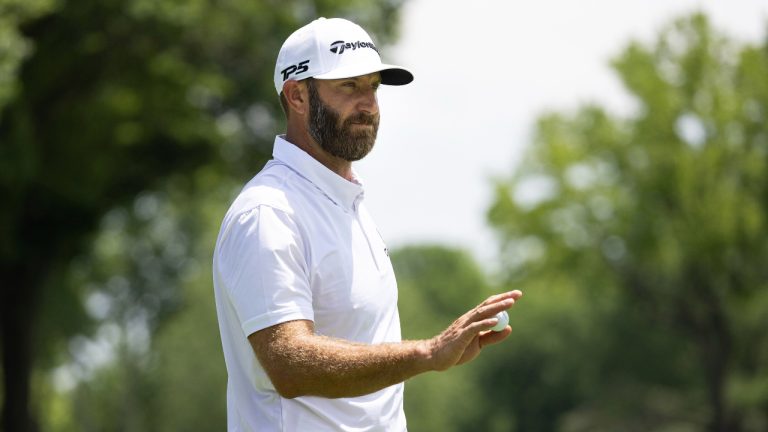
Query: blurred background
x=607 y=158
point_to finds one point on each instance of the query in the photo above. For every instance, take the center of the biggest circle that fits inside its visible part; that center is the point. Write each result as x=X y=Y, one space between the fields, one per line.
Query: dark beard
x=338 y=139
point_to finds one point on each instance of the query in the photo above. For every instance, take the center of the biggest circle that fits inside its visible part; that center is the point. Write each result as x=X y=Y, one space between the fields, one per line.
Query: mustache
x=363 y=118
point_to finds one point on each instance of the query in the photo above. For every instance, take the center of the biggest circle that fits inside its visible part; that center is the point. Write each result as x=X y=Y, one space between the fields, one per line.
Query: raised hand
x=462 y=341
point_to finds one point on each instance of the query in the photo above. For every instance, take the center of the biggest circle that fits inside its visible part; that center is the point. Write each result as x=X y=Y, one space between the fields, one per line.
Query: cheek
x=347 y=110
x=346 y=117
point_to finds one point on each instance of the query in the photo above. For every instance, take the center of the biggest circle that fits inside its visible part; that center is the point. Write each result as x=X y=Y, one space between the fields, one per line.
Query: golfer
x=305 y=292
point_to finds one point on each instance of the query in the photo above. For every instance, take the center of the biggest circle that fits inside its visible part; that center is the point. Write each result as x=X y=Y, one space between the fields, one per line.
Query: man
x=305 y=293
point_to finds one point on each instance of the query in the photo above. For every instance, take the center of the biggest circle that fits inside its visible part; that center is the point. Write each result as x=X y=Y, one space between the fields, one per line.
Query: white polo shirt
x=298 y=243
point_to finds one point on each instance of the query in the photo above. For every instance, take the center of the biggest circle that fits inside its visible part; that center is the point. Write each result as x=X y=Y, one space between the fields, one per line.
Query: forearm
x=300 y=363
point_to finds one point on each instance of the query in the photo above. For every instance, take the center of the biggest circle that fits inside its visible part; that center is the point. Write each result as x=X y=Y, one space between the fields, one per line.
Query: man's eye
x=350 y=84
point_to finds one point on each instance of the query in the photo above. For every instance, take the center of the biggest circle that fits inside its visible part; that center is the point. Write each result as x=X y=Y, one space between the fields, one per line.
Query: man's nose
x=369 y=102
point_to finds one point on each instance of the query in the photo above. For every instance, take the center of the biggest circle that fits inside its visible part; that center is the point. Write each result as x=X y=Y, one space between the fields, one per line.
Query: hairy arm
x=300 y=362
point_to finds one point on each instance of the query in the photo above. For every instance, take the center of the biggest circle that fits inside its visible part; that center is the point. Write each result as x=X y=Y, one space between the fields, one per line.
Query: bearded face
x=340 y=137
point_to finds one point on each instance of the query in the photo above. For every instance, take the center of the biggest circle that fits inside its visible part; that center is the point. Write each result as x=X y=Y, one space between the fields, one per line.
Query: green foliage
x=445 y=281
x=14 y=48
x=436 y=285
x=658 y=222
x=126 y=126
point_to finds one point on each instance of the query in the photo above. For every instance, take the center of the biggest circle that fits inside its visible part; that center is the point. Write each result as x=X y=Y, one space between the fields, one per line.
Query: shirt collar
x=341 y=191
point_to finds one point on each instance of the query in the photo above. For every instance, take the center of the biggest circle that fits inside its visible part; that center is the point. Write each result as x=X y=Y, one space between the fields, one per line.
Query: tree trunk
x=20 y=288
x=716 y=343
x=716 y=387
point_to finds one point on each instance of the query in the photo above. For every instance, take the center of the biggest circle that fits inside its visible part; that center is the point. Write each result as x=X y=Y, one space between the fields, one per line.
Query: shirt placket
x=366 y=232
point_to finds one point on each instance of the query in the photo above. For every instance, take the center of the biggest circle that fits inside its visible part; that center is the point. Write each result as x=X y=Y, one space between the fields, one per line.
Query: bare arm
x=300 y=362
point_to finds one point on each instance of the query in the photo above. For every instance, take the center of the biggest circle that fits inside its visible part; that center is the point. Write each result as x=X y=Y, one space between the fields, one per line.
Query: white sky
x=484 y=70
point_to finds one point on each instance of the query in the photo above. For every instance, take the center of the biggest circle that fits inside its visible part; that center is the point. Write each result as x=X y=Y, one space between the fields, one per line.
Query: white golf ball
x=503 y=318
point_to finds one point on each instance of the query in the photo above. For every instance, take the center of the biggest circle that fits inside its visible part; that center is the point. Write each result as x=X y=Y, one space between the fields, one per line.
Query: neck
x=300 y=138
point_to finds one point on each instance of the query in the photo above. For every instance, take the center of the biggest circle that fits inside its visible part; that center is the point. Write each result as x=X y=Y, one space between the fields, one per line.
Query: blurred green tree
x=436 y=285
x=113 y=114
x=653 y=228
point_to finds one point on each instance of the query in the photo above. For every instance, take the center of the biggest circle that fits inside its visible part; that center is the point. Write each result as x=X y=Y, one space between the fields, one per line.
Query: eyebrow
x=360 y=80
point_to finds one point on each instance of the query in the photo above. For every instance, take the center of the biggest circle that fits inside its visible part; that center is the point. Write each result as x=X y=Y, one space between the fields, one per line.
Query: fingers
x=492 y=337
x=475 y=327
x=494 y=305
x=515 y=294
x=484 y=315
x=461 y=341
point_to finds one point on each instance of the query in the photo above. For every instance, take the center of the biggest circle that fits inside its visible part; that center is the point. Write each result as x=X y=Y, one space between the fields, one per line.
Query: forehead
x=370 y=78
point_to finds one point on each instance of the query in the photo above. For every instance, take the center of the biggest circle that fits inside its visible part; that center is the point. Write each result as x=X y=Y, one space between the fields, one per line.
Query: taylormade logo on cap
x=338 y=47
x=331 y=49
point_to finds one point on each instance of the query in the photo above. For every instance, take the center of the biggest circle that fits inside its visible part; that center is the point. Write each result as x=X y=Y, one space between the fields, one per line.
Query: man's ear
x=296 y=96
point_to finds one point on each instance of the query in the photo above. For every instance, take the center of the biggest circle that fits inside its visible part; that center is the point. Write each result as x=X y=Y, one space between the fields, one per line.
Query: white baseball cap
x=330 y=49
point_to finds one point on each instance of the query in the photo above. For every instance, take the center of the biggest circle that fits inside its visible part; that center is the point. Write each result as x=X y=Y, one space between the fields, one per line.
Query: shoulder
x=272 y=187
x=277 y=190
x=265 y=207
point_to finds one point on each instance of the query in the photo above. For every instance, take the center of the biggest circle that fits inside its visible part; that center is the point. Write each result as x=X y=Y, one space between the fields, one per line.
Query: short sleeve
x=262 y=263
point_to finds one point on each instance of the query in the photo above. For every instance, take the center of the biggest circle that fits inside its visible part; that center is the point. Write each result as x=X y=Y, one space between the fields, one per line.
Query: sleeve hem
x=273 y=318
